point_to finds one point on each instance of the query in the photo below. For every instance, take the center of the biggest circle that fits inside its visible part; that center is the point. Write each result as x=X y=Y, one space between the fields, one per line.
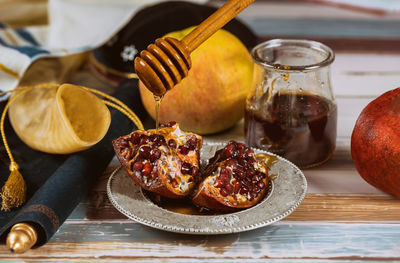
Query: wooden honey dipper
x=166 y=62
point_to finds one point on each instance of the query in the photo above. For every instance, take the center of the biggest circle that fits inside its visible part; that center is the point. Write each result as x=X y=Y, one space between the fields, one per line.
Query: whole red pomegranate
x=375 y=143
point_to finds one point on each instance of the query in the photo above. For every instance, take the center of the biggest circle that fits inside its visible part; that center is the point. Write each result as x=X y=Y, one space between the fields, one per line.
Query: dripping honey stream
x=158 y=100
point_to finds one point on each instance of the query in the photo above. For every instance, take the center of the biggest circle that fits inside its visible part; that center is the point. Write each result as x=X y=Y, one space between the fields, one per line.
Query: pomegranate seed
x=124 y=143
x=147 y=167
x=247 y=181
x=250 y=196
x=237 y=186
x=225 y=171
x=171 y=123
x=223 y=192
x=232 y=163
x=256 y=178
x=183 y=149
x=238 y=168
x=135 y=138
x=186 y=168
x=157 y=139
x=144 y=139
x=160 y=140
x=241 y=155
x=191 y=143
x=261 y=184
x=242 y=162
x=244 y=190
x=228 y=188
x=256 y=189
x=219 y=183
x=172 y=143
x=249 y=153
x=138 y=166
x=144 y=152
x=240 y=146
x=239 y=174
x=153 y=138
x=229 y=149
x=224 y=178
x=249 y=173
x=155 y=154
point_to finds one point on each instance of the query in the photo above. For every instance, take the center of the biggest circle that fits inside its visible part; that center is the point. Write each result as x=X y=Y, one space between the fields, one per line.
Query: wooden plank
x=284 y=240
x=302 y=9
x=179 y=260
x=328 y=28
x=186 y=260
x=350 y=208
x=365 y=75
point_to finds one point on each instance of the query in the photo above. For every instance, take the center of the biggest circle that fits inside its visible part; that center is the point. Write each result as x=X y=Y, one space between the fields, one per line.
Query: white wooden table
x=342 y=219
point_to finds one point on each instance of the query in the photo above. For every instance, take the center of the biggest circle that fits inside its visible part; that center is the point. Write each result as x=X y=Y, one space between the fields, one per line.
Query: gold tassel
x=13 y=192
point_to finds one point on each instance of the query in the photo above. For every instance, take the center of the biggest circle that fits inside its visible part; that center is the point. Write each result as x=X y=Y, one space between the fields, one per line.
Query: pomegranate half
x=163 y=161
x=233 y=179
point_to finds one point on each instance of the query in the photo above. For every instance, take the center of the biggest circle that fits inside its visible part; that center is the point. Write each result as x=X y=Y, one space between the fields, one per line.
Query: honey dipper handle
x=214 y=22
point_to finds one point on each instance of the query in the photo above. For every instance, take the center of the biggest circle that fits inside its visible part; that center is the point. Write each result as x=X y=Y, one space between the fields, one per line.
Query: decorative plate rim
x=224 y=222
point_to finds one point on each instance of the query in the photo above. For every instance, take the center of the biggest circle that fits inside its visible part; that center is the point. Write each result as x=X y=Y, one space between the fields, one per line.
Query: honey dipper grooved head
x=163 y=65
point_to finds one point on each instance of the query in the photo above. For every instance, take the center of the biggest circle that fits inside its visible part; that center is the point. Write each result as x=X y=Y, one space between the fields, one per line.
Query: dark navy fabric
x=57 y=183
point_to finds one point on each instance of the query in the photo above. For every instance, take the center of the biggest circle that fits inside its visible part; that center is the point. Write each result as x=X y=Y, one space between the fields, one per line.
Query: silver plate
x=287 y=191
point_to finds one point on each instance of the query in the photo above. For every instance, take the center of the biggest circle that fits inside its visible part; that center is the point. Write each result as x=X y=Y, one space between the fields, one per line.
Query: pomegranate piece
x=233 y=179
x=154 y=159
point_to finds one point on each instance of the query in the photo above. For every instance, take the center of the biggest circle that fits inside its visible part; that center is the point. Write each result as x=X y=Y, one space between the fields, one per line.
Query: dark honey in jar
x=291 y=109
x=300 y=127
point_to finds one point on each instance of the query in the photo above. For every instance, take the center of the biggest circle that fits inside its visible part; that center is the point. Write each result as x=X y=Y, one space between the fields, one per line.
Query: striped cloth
x=18 y=49
x=74 y=26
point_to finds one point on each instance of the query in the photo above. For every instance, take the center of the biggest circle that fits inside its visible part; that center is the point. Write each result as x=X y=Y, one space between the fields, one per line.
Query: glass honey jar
x=291 y=110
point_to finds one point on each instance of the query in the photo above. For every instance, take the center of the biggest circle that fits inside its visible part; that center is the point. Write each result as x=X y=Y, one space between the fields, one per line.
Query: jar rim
x=330 y=55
